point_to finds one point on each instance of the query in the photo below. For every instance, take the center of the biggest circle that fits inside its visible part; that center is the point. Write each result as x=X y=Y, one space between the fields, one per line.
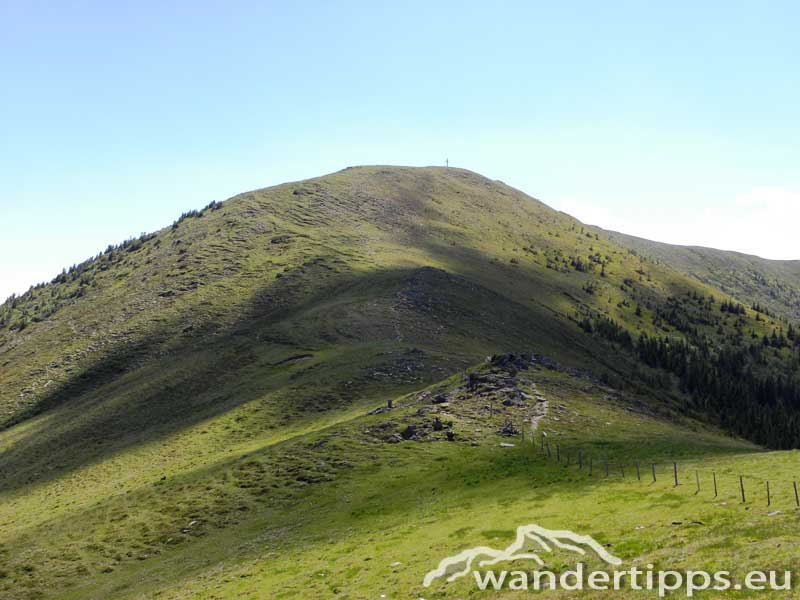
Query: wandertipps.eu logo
x=530 y=542
x=521 y=566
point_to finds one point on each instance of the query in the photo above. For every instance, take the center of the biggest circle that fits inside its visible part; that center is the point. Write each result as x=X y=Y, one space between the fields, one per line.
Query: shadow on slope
x=321 y=483
x=376 y=335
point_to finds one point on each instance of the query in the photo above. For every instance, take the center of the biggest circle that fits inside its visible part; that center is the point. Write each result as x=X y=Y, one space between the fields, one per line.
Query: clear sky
x=669 y=120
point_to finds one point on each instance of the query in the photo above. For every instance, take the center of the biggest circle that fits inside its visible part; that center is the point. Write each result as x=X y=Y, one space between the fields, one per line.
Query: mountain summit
x=290 y=310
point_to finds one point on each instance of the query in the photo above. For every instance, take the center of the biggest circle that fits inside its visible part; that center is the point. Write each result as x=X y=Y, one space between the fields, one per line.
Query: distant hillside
x=772 y=284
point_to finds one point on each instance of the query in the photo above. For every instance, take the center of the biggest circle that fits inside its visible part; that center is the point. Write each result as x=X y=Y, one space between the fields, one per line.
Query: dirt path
x=539 y=409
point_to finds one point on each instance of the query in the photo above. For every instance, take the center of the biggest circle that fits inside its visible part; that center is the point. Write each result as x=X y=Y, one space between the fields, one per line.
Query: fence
x=581 y=459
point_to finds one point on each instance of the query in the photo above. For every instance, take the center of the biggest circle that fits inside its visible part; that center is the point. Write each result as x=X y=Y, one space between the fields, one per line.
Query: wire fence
x=747 y=487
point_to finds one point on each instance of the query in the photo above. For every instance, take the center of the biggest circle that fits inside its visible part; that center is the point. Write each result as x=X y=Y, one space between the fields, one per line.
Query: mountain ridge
x=262 y=252
x=774 y=284
x=309 y=361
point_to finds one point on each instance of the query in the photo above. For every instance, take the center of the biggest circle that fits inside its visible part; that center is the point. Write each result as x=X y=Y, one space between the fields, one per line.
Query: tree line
x=746 y=387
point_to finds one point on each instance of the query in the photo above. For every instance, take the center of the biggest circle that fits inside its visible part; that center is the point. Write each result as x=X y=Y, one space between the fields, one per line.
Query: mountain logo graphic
x=528 y=539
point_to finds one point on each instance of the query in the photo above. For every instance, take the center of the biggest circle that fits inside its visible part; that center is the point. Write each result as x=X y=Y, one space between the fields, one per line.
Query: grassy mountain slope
x=193 y=401
x=773 y=284
x=344 y=511
x=262 y=264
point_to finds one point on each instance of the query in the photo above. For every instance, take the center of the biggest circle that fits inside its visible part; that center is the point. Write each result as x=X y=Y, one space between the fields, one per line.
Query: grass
x=774 y=284
x=194 y=422
x=262 y=532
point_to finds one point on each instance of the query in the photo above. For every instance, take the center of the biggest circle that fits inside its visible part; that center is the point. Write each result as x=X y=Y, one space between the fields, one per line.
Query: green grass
x=261 y=532
x=773 y=284
x=220 y=373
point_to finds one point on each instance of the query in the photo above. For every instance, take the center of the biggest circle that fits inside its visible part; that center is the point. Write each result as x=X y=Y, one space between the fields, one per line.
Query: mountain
x=227 y=386
x=773 y=285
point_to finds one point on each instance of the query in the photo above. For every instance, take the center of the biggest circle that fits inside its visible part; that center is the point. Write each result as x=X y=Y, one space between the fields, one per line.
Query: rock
x=775 y=513
x=510 y=361
x=545 y=362
x=474 y=380
x=437 y=424
x=508 y=429
x=410 y=432
x=450 y=435
x=506 y=445
x=439 y=399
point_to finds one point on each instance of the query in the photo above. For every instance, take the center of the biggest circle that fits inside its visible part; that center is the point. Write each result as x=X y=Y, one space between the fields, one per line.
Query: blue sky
x=668 y=120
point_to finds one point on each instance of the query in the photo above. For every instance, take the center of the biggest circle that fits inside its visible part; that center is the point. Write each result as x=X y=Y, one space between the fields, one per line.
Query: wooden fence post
x=796 y=495
x=769 y=496
x=714 y=474
x=675 y=470
x=654 y=471
x=741 y=487
x=622 y=470
x=580 y=459
x=697 y=478
x=638 y=474
x=558 y=453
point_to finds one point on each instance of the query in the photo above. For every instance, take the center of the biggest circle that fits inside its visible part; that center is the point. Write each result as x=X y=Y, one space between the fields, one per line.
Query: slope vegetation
x=195 y=400
x=771 y=284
